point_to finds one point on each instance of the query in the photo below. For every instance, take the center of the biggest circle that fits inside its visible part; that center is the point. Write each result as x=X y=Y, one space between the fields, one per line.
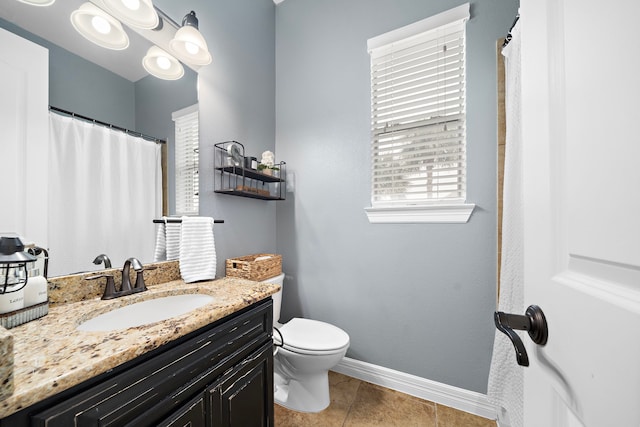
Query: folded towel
x=167 y=241
x=160 y=253
x=197 y=249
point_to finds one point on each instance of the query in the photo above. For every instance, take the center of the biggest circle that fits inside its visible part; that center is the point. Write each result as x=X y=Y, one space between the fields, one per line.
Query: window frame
x=432 y=210
x=190 y=115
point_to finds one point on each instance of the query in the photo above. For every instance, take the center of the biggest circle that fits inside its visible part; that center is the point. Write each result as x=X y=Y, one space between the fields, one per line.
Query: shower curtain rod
x=109 y=125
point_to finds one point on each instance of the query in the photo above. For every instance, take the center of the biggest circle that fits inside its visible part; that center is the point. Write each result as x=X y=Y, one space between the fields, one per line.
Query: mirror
x=109 y=86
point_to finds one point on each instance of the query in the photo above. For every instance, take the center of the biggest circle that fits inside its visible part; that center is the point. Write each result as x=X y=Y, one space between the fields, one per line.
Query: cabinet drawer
x=149 y=391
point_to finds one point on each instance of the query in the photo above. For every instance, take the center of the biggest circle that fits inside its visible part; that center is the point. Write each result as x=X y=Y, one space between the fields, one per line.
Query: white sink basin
x=145 y=312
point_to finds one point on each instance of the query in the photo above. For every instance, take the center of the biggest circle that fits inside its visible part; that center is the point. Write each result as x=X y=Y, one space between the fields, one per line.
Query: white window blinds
x=186 y=160
x=418 y=113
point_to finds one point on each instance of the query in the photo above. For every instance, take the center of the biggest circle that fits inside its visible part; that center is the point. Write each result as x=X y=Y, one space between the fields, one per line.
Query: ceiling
x=54 y=24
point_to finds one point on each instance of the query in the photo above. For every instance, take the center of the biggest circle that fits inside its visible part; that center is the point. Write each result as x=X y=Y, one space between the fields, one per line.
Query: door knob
x=533 y=322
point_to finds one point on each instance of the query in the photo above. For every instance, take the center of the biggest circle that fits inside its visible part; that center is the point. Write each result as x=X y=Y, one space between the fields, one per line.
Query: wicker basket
x=247 y=267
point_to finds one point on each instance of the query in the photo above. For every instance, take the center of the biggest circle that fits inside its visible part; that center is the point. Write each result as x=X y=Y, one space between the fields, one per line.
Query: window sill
x=434 y=214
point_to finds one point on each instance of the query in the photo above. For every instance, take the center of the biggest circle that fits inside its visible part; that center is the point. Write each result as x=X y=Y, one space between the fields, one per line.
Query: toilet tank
x=277 y=297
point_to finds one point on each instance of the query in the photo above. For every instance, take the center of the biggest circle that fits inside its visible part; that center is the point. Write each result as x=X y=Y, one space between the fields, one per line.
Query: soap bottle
x=37 y=288
x=12 y=300
x=13 y=297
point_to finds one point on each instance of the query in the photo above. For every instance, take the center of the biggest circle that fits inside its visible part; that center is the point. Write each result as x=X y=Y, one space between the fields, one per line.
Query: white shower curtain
x=506 y=377
x=105 y=189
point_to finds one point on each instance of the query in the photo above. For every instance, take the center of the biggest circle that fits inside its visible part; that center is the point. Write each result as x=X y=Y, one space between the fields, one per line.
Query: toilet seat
x=306 y=336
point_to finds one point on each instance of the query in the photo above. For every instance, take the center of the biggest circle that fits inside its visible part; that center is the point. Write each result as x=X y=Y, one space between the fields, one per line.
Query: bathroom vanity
x=211 y=367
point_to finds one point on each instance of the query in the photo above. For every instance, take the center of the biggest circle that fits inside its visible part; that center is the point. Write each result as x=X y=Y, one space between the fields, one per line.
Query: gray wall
x=83 y=87
x=237 y=102
x=417 y=298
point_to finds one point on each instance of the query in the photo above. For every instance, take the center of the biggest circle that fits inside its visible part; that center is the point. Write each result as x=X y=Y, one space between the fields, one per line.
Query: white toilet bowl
x=302 y=362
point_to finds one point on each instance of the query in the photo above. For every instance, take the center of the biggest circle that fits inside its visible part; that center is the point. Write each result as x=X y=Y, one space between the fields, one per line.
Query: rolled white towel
x=197 y=249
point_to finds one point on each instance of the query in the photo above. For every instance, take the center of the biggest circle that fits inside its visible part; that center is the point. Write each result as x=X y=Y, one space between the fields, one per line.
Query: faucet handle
x=109 y=289
x=139 y=285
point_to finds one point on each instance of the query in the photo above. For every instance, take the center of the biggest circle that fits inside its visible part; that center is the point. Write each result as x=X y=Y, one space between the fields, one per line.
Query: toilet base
x=309 y=393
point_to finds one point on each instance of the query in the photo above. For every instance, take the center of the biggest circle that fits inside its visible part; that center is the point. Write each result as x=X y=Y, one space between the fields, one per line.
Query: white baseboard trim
x=444 y=394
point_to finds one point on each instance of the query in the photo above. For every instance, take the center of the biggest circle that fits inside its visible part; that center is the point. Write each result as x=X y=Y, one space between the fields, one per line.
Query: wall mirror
x=107 y=85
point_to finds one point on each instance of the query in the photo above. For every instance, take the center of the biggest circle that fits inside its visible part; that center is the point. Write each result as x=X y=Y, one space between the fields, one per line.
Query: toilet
x=302 y=363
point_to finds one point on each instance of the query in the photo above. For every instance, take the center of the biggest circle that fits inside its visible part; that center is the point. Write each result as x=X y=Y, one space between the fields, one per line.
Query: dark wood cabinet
x=220 y=375
x=244 y=396
x=192 y=415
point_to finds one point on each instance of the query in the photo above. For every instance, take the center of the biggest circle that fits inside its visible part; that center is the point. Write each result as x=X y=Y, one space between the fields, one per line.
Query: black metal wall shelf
x=248 y=194
x=232 y=178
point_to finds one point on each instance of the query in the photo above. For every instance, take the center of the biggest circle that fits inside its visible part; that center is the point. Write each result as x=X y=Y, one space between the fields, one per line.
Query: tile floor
x=356 y=403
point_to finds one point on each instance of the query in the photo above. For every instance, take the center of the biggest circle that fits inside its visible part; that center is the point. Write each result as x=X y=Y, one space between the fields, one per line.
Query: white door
x=24 y=138
x=581 y=151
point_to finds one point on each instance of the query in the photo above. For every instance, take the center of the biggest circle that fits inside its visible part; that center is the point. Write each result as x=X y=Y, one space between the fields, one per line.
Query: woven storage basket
x=247 y=267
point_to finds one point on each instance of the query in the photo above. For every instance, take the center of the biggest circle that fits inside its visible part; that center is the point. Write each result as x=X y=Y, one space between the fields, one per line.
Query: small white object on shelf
x=235 y=154
x=268 y=159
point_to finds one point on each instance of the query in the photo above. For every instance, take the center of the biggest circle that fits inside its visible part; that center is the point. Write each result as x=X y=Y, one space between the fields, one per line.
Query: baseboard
x=454 y=397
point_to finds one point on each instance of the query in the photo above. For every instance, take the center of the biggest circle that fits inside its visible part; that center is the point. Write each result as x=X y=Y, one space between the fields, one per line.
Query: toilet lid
x=312 y=335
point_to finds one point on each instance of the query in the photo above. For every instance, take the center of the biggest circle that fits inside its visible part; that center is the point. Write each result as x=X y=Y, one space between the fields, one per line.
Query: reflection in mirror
x=121 y=95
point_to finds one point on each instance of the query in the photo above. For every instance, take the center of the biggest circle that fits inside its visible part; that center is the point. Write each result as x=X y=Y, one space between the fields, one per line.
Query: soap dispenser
x=37 y=289
x=12 y=299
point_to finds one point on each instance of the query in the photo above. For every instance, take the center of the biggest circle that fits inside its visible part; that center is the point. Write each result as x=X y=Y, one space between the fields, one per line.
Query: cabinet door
x=190 y=415
x=244 y=396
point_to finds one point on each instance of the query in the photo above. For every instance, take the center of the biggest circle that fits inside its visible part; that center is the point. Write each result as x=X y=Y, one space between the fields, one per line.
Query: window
x=186 y=160
x=418 y=132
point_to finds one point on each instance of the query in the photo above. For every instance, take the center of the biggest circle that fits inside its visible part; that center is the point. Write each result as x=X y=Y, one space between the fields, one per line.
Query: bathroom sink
x=145 y=312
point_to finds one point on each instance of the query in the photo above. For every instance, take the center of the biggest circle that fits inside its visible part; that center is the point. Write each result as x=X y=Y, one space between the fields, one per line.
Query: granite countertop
x=50 y=355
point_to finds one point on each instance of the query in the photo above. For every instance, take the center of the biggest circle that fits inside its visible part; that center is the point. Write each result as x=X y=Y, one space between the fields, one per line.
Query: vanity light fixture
x=99 y=27
x=38 y=2
x=189 y=44
x=159 y=63
x=135 y=13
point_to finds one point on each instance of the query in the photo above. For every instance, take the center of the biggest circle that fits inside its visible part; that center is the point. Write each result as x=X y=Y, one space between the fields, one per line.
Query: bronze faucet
x=126 y=281
x=110 y=291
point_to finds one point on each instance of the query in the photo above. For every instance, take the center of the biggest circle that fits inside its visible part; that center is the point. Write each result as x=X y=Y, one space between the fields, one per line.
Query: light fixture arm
x=190 y=19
